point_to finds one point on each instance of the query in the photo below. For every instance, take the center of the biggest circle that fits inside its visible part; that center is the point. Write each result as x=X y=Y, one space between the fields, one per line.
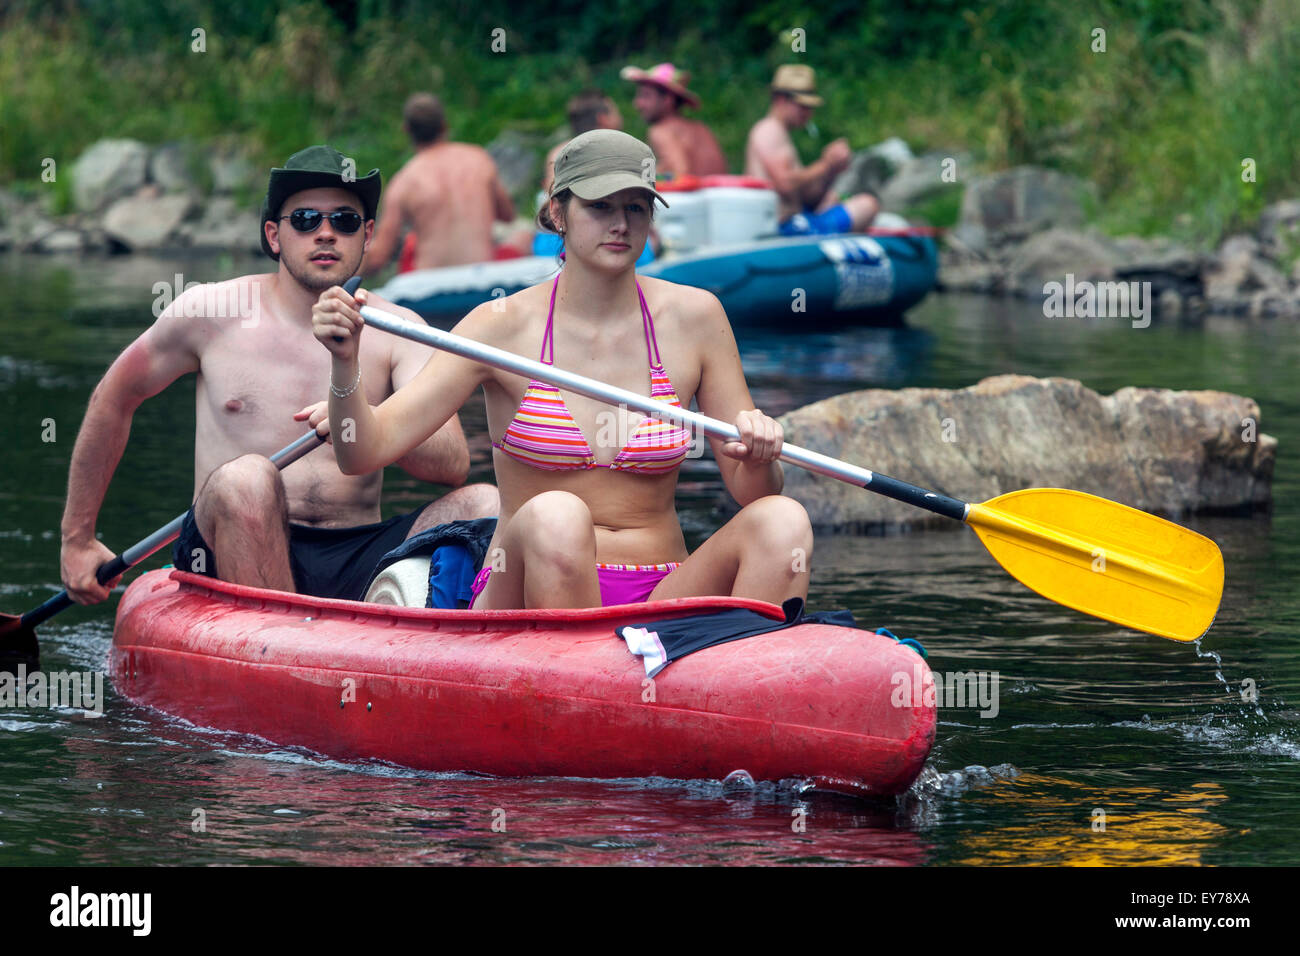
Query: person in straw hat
x=588 y=514
x=683 y=147
x=808 y=205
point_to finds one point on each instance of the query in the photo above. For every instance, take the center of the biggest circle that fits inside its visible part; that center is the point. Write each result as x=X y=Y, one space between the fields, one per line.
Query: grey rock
x=1279 y=231
x=146 y=220
x=1167 y=452
x=224 y=224
x=1008 y=206
x=1140 y=257
x=60 y=240
x=1052 y=255
x=170 y=168
x=918 y=180
x=519 y=161
x=231 y=171
x=1172 y=304
x=871 y=168
x=1238 y=271
x=961 y=274
x=108 y=170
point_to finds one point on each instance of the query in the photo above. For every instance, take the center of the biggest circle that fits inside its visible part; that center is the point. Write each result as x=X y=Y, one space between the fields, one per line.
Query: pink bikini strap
x=548 y=341
x=647 y=323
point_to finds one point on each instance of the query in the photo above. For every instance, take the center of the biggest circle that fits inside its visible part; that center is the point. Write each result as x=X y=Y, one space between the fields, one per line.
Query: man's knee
x=464 y=504
x=862 y=208
x=479 y=500
x=247 y=489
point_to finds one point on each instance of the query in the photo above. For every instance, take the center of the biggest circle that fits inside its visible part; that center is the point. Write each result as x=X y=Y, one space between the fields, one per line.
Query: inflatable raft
x=525 y=693
x=774 y=283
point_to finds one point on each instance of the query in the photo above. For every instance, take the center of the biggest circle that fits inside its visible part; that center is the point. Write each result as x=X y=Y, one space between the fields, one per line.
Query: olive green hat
x=313 y=168
x=603 y=161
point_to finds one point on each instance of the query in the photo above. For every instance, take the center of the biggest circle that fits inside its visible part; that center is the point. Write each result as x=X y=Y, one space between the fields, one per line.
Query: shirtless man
x=682 y=147
x=808 y=205
x=260 y=375
x=448 y=193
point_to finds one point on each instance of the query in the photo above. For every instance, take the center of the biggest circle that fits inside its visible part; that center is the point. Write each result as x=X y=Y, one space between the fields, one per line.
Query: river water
x=1094 y=724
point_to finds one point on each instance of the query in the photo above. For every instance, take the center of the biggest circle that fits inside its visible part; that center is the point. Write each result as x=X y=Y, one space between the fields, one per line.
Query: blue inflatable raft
x=814 y=280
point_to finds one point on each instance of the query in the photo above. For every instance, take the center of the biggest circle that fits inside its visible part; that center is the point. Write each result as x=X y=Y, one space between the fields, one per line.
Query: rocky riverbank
x=1167 y=452
x=1019 y=232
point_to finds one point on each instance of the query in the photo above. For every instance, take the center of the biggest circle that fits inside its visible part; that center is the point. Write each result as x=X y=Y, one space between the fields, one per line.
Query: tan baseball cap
x=798 y=81
x=603 y=161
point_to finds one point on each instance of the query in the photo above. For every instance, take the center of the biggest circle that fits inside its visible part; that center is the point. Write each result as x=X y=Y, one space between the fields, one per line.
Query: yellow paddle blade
x=1105 y=559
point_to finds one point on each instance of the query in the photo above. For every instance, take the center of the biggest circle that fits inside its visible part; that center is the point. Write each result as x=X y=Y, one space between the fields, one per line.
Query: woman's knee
x=777 y=520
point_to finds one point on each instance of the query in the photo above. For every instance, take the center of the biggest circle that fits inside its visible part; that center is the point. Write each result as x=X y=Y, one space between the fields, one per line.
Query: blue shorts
x=549 y=244
x=808 y=223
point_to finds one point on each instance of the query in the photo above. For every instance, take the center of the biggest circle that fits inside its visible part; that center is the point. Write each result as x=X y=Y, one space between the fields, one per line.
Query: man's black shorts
x=326 y=562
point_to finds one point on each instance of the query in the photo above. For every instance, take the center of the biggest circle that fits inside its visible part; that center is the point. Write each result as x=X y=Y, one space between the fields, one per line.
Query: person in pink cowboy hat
x=683 y=147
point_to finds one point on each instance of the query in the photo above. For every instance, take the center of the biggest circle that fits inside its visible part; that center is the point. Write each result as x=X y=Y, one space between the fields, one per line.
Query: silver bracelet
x=345 y=392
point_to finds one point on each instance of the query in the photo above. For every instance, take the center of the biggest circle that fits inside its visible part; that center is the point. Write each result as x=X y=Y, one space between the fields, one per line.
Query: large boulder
x=171 y=167
x=1052 y=255
x=1008 y=206
x=1167 y=452
x=232 y=171
x=147 y=220
x=1240 y=279
x=108 y=170
x=224 y=224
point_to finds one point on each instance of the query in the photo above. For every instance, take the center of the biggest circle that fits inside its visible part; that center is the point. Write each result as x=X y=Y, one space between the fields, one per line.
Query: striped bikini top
x=543 y=433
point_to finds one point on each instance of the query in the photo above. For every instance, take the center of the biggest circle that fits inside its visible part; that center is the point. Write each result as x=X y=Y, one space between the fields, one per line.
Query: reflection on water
x=1156 y=734
x=1112 y=826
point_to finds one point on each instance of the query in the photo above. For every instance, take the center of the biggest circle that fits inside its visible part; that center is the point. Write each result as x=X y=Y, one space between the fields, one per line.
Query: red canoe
x=524 y=693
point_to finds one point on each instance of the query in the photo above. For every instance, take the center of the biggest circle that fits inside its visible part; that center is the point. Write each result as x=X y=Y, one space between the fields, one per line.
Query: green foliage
x=1160 y=121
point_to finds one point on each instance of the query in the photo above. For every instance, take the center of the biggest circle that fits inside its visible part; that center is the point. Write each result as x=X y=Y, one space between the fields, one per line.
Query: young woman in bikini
x=583 y=524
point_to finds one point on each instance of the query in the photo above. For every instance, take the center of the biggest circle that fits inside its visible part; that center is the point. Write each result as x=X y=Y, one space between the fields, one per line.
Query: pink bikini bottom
x=619 y=583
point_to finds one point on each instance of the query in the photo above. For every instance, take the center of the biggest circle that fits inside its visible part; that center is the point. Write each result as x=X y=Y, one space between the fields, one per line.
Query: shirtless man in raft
x=808 y=205
x=448 y=193
x=682 y=147
x=260 y=372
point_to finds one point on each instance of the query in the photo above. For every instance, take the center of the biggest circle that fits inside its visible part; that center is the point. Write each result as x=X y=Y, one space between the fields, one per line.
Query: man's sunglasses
x=308 y=220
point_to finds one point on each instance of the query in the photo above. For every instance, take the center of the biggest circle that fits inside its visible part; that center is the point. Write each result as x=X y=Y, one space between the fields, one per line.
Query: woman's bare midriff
x=634 y=517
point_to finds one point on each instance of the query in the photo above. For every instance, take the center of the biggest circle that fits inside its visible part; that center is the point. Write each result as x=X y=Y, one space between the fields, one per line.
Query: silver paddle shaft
x=508 y=361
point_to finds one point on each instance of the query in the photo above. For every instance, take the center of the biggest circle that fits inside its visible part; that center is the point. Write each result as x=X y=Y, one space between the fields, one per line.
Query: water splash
x=1248 y=697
